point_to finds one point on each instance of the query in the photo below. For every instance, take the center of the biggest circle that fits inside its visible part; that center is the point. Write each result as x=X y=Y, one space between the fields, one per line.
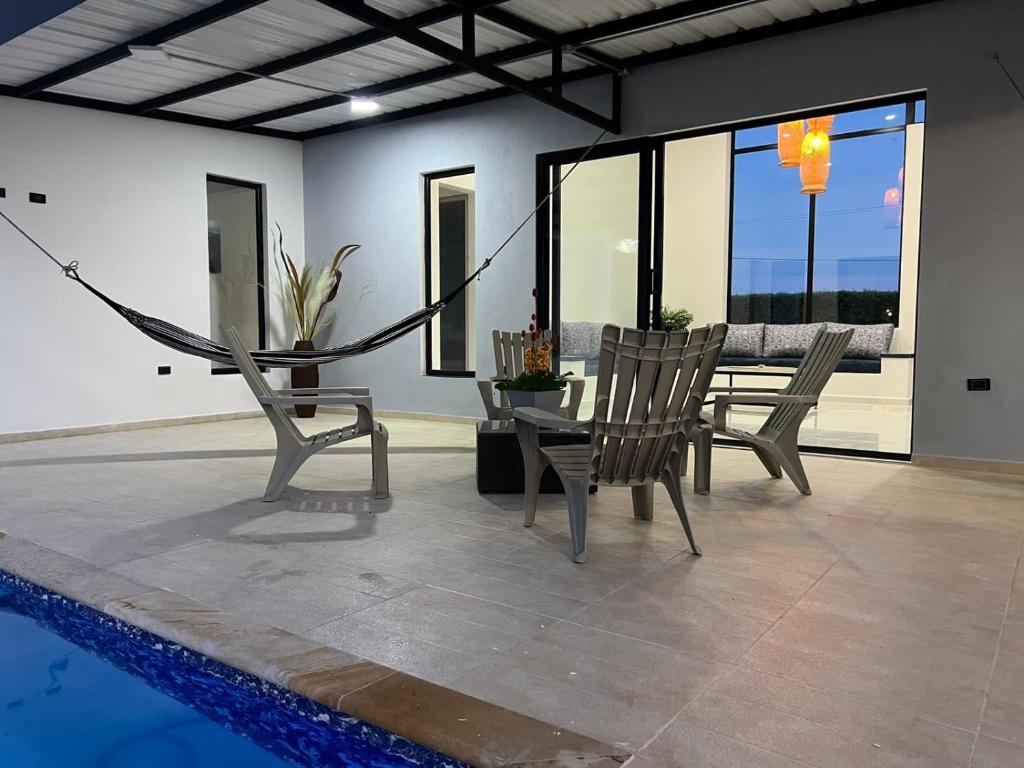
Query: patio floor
x=879 y=622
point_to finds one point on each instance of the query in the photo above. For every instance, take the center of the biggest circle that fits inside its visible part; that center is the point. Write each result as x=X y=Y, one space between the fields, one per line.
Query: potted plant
x=537 y=386
x=305 y=294
x=675 y=319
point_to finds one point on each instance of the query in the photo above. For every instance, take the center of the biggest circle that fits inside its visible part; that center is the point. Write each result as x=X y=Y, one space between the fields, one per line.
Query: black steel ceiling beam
x=290 y=111
x=302 y=58
x=125 y=109
x=199 y=19
x=754 y=35
x=535 y=31
x=659 y=17
x=415 y=36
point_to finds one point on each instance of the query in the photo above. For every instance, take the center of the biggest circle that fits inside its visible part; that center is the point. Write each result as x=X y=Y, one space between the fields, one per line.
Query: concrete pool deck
x=879 y=622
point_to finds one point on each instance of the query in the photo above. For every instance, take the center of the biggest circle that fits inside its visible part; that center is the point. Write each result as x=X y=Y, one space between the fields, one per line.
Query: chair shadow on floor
x=220 y=524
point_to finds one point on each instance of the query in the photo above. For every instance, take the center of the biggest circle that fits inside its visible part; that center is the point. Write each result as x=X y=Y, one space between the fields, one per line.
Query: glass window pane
x=857 y=232
x=769 y=242
x=867 y=119
x=232 y=212
x=758 y=137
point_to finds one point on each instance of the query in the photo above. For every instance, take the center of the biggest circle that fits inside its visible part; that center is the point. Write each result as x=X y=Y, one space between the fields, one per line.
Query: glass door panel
x=597 y=241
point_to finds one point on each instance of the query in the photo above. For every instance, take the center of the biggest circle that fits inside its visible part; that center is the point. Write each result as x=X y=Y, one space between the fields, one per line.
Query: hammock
x=178 y=338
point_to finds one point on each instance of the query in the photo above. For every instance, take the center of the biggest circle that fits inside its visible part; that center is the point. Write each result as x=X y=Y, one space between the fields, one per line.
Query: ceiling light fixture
x=363 y=106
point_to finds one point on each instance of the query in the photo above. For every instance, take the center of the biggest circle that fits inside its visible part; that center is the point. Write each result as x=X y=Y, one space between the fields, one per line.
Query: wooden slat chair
x=509 y=362
x=293 y=448
x=775 y=443
x=639 y=431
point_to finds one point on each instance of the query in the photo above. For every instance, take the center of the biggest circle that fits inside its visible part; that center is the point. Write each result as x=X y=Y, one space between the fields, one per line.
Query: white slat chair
x=660 y=381
x=509 y=362
x=293 y=448
x=775 y=443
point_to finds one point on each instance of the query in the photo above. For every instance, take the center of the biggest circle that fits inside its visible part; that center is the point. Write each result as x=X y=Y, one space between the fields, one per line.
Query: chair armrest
x=722 y=402
x=359 y=401
x=577 y=384
x=547 y=420
x=743 y=389
x=363 y=391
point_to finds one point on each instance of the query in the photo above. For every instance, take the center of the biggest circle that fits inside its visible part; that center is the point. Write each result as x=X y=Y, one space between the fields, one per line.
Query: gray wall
x=364 y=187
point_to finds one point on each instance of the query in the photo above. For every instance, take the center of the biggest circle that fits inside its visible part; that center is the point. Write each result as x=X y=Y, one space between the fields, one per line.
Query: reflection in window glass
x=450 y=213
x=769 y=246
x=857 y=232
x=235 y=244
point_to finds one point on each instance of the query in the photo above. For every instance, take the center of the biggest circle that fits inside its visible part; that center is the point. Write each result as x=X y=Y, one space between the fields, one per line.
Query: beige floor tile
x=812 y=629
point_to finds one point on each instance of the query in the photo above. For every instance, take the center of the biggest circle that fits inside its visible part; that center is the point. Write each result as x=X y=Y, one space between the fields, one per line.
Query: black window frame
x=428 y=328
x=261 y=258
x=911 y=117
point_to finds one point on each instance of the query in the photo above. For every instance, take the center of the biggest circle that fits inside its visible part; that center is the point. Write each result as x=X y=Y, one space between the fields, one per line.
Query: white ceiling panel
x=131 y=80
x=269 y=31
x=366 y=65
x=248 y=99
x=89 y=28
x=278 y=28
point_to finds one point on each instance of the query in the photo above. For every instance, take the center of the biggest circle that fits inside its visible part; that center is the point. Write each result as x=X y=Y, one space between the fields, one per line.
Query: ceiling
x=406 y=55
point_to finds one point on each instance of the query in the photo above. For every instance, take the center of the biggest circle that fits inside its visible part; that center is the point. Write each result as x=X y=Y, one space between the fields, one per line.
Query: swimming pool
x=80 y=688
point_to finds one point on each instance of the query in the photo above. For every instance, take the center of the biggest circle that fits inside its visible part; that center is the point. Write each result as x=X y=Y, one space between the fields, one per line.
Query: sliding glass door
x=597 y=256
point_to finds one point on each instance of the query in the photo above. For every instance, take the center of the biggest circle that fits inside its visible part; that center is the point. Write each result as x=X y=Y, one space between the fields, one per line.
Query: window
x=828 y=257
x=234 y=211
x=450 y=258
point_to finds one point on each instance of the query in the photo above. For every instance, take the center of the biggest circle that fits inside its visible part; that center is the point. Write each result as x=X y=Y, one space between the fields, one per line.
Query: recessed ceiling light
x=363 y=106
x=890 y=117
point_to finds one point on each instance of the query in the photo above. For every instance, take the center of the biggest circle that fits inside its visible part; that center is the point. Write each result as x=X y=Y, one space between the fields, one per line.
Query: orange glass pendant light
x=791 y=134
x=823 y=123
x=815 y=162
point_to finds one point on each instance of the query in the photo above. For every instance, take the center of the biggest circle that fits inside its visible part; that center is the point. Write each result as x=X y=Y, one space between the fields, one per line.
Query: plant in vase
x=675 y=319
x=537 y=386
x=304 y=295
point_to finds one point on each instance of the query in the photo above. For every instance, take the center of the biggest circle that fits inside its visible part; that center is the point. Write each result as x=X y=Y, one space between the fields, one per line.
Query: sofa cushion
x=744 y=341
x=869 y=342
x=789 y=340
x=580 y=339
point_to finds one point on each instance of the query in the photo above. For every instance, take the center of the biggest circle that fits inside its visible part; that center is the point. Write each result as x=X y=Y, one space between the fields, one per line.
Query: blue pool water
x=78 y=688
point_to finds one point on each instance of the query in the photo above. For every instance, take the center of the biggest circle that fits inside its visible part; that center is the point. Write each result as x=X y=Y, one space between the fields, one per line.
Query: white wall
x=126 y=197
x=696 y=253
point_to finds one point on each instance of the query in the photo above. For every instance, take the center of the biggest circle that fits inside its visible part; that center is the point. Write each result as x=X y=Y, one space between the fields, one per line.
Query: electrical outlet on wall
x=163 y=370
x=979 y=385
x=37 y=197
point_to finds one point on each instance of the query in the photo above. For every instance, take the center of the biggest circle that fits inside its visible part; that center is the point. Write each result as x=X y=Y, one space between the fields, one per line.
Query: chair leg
x=770 y=462
x=789 y=457
x=643 y=501
x=684 y=457
x=534 y=463
x=577 y=492
x=675 y=492
x=379 y=457
x=703 y=439
x=289 y=458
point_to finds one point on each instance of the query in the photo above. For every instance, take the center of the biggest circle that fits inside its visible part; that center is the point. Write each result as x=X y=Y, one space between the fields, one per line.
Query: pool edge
x=465 y=728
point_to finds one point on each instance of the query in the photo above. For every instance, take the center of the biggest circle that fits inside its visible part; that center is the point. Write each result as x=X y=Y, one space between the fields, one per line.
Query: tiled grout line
x=995 y=656
x=715 y=678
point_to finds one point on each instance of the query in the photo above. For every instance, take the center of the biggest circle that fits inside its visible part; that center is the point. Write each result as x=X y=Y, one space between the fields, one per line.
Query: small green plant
x=675 y=319
x=541 y=381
